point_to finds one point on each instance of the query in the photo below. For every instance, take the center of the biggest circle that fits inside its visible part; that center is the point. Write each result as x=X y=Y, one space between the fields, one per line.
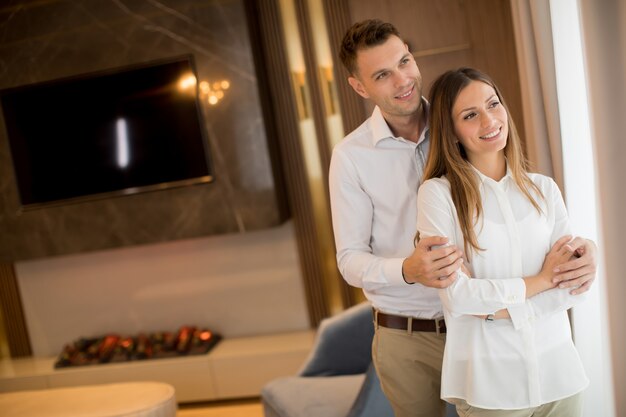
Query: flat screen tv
x=105 y=134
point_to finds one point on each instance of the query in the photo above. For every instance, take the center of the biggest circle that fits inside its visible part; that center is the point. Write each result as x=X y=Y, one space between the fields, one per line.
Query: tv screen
x=117 y=132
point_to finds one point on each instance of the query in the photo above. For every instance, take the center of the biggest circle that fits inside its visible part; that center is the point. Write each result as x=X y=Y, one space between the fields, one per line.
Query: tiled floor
x=240 y=408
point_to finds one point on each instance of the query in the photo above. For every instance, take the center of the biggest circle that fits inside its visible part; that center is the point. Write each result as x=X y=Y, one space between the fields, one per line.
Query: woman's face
x=480 y=120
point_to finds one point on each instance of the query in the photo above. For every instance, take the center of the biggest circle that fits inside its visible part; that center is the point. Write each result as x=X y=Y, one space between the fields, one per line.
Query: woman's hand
x=560 y=253
x=580 y=271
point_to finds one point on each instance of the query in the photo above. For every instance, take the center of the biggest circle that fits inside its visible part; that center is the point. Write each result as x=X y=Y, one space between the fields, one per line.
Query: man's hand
x=581 y=270
x=431 y=265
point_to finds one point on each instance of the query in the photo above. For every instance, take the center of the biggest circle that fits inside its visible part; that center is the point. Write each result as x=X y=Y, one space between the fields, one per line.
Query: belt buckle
x=437 y=327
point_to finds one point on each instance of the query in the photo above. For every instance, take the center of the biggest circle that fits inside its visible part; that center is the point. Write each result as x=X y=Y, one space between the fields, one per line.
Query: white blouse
x=504 y=364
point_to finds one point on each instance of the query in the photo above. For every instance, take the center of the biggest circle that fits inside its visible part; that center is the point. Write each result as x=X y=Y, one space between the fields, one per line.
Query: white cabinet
x=234 y=368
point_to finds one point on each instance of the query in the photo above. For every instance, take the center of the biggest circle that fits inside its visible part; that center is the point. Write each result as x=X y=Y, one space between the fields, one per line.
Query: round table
x=127 y=399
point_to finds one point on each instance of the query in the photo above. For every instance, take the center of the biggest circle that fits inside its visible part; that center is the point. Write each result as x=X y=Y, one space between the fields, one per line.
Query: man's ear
x=358 y=87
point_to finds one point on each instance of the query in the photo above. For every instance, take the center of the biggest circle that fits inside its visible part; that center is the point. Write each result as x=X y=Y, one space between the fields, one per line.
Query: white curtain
x=533 y=38
x=604 y=39
x=604 y=63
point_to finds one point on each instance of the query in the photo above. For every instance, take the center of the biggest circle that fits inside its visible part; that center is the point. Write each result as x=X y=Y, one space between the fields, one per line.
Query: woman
x=509 y=350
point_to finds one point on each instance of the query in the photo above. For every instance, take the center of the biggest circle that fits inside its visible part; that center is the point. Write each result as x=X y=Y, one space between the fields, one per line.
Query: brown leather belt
x=409 y=324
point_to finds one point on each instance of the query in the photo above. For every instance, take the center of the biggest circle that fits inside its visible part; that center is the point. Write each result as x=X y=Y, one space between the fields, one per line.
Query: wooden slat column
x=335 y=283
x=280 y=109
x=338 y=21
x=12 y=312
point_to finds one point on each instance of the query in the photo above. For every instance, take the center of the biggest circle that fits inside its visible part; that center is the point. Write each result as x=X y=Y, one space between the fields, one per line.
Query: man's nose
x=401 y=80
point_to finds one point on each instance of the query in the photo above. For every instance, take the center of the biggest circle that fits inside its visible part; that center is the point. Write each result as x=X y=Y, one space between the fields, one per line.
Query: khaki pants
x=567 y=407
x=409 y=368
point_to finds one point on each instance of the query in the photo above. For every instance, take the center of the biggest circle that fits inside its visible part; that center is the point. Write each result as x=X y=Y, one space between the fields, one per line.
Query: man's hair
x=363 y=35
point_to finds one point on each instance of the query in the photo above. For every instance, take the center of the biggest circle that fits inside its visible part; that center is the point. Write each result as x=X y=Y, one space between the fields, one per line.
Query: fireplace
x=112 y=348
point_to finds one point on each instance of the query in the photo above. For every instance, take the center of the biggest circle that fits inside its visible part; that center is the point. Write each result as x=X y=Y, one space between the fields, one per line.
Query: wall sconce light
x=212 y=93
x=298 y=79
x=329 y=89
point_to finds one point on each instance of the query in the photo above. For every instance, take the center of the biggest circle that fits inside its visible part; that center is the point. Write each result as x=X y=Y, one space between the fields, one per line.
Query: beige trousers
x=567 y=407
x=409 y=368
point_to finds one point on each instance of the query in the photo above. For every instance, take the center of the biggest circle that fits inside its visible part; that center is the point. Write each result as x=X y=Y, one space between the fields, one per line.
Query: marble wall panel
x=46 y=40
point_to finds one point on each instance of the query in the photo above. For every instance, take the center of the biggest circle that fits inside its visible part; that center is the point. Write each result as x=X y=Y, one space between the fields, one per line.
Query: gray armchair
x=338 y=378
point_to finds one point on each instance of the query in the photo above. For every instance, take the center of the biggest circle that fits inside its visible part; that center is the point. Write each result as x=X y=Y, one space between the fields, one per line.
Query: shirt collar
x=381 y=130
x=483 y=178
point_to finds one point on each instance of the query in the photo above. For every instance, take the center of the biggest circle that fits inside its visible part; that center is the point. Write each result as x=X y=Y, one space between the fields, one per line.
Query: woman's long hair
x=448 y=157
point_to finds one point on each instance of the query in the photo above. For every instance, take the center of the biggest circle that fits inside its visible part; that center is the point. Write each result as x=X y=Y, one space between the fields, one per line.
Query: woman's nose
x=486 y=120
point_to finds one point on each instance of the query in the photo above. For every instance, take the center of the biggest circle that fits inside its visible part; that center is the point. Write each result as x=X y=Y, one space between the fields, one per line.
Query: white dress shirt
x=374 y=178
x=505 y=364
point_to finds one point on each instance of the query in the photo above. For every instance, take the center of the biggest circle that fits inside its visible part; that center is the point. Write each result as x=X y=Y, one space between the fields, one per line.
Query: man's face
x=388 y=75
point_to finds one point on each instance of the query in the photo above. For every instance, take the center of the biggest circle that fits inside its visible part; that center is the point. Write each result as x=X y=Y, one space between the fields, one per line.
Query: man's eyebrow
x=380 y=71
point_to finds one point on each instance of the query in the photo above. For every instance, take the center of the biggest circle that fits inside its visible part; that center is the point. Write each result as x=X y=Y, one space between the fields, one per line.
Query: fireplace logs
x=189 y=340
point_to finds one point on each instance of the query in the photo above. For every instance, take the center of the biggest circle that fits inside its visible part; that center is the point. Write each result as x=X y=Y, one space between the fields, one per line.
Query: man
x=374 y=176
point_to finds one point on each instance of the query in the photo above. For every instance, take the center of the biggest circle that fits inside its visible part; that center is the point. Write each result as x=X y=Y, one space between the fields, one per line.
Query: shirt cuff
x=515 y=292
x=520 y=315
x=393 y=271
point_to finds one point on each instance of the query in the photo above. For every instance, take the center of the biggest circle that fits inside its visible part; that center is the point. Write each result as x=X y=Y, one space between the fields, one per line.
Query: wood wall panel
x=426 y=24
